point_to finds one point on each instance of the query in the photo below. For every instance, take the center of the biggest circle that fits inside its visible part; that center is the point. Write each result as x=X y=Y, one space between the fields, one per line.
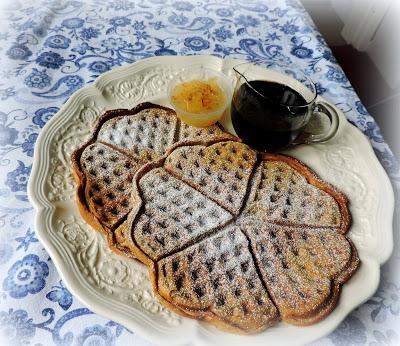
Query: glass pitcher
x=271 y=107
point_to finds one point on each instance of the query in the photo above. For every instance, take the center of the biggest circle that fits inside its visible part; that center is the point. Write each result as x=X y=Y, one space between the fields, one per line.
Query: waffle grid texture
x=236 y=238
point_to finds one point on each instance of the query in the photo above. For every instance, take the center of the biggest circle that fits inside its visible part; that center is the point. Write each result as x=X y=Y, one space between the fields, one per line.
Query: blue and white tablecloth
x=49 y=49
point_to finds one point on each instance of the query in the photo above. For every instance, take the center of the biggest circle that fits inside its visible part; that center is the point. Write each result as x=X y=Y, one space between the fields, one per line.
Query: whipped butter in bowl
x=200 y=96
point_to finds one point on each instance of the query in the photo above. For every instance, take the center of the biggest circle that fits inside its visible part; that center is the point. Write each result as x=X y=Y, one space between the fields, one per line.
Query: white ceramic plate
x=117 y=287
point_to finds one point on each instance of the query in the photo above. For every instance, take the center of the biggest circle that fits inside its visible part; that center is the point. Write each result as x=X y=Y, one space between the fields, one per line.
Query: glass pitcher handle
x=324 y=108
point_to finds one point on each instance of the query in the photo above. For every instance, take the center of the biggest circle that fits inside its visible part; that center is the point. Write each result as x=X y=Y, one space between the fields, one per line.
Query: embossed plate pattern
x=118 y=287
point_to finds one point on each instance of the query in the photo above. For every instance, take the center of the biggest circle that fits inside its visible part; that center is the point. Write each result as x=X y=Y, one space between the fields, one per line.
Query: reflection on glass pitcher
x=272 y=107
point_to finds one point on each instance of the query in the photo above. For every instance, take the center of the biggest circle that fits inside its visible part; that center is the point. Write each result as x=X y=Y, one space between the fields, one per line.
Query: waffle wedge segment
x=220 y=171
x=108 y=182
x=174 y=214
x=287 y=192
x=146 y=134
x=190 y=133
x=303 y=268
x=216 y=280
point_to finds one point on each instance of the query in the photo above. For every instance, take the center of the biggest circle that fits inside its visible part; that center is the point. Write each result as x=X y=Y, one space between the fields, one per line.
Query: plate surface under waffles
x=230 y=236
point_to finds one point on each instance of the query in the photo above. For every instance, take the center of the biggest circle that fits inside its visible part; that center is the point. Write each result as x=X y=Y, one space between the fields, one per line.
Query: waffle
x=218 y=276
x=220 y=171
x=145 y=134
x=123 y=141
x=298 y=265
x=173 y=212
x=231 y=236
x=287 y=192
x=108 y=176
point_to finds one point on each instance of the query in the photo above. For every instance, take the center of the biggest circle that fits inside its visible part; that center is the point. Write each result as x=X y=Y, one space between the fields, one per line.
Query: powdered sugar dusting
x=219 y=274
x=284 y=195
x=174 y=214
x=297 y=264
x=190 y=133
x=151 y=130
x=109 y=177
x=221 y=171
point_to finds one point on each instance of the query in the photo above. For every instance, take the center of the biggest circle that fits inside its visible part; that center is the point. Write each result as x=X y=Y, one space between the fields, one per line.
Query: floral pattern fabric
x=49 y=49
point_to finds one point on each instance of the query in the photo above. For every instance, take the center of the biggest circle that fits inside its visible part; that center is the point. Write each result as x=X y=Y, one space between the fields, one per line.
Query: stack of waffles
x=235 y=237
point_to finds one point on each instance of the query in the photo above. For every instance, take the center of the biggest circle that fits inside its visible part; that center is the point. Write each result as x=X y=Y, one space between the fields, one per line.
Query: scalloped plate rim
x=44 y=208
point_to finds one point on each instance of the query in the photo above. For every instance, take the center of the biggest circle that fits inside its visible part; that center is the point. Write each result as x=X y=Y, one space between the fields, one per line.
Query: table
x=50 y=49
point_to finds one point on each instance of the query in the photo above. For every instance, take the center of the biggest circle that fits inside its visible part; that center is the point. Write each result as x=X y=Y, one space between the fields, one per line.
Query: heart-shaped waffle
x=236 y=238
x=122 y=142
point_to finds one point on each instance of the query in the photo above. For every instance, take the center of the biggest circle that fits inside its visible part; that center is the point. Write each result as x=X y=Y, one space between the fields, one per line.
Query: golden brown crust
x=121 y=240
x=315 y=180
x=325 y=309
x=80 y=178
x=241 y=321
x=124 y=235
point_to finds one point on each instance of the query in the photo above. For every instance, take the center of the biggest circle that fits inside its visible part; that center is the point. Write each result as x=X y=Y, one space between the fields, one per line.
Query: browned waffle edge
x=123 y=234
x=125 y=239
x=321 y=311
x=313 y=179
x=120 y=246
x=80 y=179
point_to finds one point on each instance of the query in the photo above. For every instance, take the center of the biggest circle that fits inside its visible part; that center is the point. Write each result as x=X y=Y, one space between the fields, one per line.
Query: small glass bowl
x=203 y=74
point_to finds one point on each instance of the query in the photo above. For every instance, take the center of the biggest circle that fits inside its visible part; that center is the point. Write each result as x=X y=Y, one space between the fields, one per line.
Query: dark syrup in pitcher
x=269 y=118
